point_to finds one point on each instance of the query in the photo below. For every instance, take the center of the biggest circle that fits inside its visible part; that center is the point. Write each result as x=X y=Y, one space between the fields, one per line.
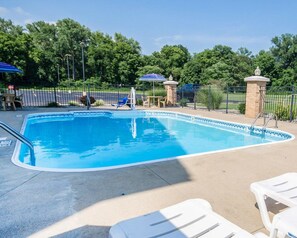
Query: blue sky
x=195 y=24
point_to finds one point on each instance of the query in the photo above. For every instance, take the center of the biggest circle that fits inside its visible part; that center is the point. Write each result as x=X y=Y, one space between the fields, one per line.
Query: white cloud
x=3 y=11
x=17 y=15
x=209 y=39
x=20 y=11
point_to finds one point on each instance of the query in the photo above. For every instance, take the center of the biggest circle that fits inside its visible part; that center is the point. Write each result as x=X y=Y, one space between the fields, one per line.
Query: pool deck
x=49 y=204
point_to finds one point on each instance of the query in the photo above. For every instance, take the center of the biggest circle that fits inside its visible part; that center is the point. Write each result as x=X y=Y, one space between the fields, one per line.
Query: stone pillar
x=255 y=94
x=170 y=87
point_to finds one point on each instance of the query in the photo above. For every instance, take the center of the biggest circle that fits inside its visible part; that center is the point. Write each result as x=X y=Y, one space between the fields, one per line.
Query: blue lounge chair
x=121 y=102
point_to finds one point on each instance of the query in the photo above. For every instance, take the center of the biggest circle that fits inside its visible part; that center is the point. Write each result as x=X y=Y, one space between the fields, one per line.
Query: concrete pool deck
x=50 y=204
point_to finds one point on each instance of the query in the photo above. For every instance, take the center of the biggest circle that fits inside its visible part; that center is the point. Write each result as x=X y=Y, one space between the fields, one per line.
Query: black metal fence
x=229 y=99
x=282 y=102
x=40 y=97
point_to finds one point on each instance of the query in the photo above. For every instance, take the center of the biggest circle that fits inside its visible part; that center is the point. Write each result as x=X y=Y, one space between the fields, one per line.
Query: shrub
x=73 y=103
x=83 y=100
x=104 y=85
x=241 y=108
x=99 y=102
x=139 y=102
x=283 y=112
x=183 y=102
x=66 y=83
x=158 y=92
x=211 y=98
x=53 y=104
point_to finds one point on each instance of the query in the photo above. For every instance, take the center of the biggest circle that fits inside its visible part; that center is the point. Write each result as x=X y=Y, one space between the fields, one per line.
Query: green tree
x=127 y=59
x=204 y=68
x=101 y=57
x=191 y=72
x=219 y=74
x=70 y=34
x=15 y=50
x=44 y=38
x=242 y=66
x=266 y=62
x=284 y=51
x=172 y=59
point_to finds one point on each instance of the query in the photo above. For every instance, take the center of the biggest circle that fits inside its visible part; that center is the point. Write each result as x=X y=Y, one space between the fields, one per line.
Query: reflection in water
x=133 y=128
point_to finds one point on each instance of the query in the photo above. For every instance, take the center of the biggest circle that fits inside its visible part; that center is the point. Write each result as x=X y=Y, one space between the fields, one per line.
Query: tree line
x=51 y=54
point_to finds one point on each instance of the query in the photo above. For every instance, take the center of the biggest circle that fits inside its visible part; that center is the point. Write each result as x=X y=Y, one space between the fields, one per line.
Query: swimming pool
x=94 y=140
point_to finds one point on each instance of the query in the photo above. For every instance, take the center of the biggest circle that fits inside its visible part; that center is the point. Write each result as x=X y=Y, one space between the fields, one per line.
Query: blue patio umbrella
x=7 y=68
x=153 y=78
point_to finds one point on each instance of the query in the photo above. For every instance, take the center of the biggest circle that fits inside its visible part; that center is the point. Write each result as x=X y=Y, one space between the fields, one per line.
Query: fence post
x=55 y=94
x=292 y=105
x=195 y=94
x=227 y=100
x=209 y=98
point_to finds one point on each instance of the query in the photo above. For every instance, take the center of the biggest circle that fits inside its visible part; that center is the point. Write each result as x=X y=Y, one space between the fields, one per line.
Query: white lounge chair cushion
x=282 y=188
x=191 y=218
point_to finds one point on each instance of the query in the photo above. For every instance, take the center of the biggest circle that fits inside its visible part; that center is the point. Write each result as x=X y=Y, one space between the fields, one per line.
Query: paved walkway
x=48 y=204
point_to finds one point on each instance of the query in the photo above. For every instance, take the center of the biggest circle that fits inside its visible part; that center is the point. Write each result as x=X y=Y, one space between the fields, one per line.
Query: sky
x=195 y=24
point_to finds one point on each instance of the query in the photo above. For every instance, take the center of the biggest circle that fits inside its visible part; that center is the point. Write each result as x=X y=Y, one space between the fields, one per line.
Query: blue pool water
x=82 y=140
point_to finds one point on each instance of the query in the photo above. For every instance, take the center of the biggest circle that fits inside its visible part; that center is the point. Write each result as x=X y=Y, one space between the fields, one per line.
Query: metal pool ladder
x=267 y=117
x=18 y=136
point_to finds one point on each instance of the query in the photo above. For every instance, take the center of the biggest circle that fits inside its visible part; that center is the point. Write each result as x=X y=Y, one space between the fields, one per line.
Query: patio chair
x=191 y=218
x=121 y=102
x=145 y=103
x=19 y=101
x=282 y=189
x=8 y=99
x=163 y=102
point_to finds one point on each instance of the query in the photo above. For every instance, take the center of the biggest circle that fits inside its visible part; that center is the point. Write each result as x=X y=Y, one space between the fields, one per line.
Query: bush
x=105 y=85
x=183 y=102
x=283 y=112
x=99 y=102
x=83 y=100
x=73 y=103
x=241 y=108
x=210 y=97
x=67 y=83
x=158 y=92
x=139 y=102
x=53 y=104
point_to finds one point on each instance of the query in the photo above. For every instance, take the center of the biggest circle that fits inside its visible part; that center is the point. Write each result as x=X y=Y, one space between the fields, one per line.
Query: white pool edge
x=16 y=152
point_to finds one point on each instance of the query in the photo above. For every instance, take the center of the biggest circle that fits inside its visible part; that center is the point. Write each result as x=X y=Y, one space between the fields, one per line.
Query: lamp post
x=58 y=72
x=55 y=93
x=73 y=70
x=67 y=60
x=82 y=44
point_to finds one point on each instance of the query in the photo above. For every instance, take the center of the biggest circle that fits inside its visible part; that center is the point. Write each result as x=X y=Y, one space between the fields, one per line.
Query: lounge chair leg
x=263 y=210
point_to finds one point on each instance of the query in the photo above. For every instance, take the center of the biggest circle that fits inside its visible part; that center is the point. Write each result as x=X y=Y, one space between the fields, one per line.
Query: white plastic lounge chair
x=284 y=224
x=191 y=218
x=282 y=189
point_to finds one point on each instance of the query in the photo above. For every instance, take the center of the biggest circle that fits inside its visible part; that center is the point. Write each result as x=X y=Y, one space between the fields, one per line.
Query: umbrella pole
x=154 y=92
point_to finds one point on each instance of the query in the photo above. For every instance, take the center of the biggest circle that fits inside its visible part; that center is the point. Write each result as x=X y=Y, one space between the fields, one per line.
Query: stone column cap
x=170 y=82
x=256 y=79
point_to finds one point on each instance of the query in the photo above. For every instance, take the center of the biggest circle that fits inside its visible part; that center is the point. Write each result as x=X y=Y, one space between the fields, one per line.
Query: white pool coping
x=16 y=152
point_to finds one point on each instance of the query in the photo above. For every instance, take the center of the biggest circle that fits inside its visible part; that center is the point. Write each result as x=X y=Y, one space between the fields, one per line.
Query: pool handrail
x=18 y=136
